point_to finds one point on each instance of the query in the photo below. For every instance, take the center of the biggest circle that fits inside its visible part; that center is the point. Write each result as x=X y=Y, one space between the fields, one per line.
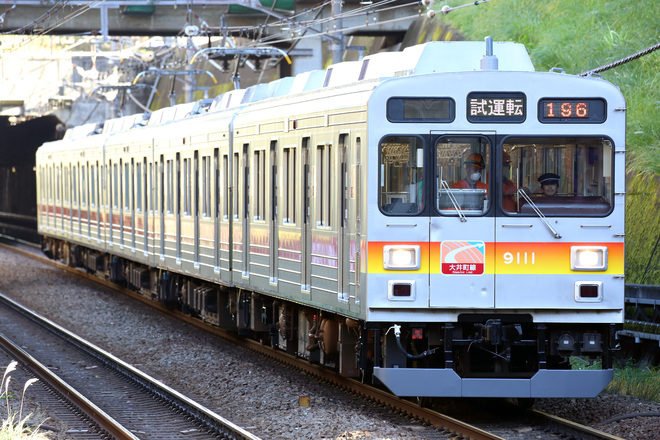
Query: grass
x=630 y=378
x=15 y=426
x=637 y=381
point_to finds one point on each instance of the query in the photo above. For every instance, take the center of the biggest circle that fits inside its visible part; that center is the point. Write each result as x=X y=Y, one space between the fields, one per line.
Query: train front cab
x=495 y=289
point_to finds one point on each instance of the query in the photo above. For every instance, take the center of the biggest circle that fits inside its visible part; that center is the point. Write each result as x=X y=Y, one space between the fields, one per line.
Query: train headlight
x=401 y=257
x=589 y=258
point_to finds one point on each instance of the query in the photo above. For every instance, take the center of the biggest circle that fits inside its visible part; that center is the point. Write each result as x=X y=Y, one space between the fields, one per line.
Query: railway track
x=510 y=424
x=118 y=400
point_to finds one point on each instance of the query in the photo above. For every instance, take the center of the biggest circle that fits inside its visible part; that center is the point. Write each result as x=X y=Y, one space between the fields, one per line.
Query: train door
x=343 y=241
x=112 y=197
x=274 y=239
x=145 y=205
x=161 y=203
x=178 y=207
x=196 y=209
x=462 y=228
x=246 y=212
x=216 y=208
x=306 y=233
x=135 y=178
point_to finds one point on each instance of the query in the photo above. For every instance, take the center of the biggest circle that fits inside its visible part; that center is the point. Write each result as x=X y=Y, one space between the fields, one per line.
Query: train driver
x=549 y=184
x=474 y=166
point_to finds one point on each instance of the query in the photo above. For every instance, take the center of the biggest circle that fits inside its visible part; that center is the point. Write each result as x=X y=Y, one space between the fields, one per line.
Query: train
x=441 y=221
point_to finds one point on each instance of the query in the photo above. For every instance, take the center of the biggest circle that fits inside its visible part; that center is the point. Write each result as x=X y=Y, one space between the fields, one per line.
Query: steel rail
x=194 y=409
x=104 y=421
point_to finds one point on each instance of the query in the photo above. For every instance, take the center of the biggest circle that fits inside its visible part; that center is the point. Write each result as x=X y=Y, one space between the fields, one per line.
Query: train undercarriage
x=476 y=347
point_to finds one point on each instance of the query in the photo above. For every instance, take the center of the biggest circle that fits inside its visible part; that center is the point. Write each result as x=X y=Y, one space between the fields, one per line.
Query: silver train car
x=439 y=221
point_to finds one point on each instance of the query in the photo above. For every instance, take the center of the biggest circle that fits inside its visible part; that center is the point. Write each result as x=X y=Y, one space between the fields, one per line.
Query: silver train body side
x=387 y=218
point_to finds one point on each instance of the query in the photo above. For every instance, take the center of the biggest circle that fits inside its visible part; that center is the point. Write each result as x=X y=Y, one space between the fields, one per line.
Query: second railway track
x=123 y=402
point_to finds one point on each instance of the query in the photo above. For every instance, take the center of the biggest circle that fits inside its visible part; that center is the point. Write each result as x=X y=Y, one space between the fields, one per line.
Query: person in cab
x=474 y=167
x=549 y=184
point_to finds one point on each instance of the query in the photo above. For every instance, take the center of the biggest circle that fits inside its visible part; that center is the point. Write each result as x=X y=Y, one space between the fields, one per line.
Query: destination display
x=420 y=109
x=496 y=107
x=575 y=111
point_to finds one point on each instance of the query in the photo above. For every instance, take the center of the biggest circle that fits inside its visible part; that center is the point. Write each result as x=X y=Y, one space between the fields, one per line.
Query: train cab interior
x=466 y=176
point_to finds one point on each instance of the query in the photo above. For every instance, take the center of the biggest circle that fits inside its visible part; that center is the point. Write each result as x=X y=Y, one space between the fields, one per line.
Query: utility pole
x=337 y=48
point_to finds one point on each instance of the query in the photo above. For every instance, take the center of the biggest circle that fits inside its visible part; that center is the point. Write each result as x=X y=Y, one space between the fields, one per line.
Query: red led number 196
x=567 y=110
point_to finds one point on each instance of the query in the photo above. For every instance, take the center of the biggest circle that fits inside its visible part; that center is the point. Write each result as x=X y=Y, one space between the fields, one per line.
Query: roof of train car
x=432 y=57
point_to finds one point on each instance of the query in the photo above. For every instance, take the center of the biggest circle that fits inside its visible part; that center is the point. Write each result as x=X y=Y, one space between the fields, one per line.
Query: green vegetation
x=579 y=36
x=638 y=381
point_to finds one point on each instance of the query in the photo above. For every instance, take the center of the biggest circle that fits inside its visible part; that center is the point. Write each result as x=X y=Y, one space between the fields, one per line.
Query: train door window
x=236 y=174
x=127 y=186
x=401 y=175
x=462 y=175
x=66 y=185
x=324 y=185
x=92 y=182
x=170 y=186
x=224 y=187
x=138 y=187
x=260 y=185
x=83 y=185
x=187 y=170
x=115 y=186
x=560 y=175
x=289 y=180
x=58 y=183
x=74 y=184
x=152 y=188
x=206 y=186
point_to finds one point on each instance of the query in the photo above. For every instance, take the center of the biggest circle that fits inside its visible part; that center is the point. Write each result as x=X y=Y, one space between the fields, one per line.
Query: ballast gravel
x=258 y=395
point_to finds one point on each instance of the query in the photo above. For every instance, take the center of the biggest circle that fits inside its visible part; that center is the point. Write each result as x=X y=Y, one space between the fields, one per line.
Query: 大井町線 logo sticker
x=462 y=257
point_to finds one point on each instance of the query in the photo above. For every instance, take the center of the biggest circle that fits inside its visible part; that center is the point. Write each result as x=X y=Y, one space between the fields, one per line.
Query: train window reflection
x=401 y=175
x=462 y=175
x=562 y=176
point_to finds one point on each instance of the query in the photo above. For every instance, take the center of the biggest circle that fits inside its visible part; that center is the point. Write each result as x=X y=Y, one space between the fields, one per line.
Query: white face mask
x=475 y=176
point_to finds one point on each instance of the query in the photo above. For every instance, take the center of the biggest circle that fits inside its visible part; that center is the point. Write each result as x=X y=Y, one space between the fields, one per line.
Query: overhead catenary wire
x=622 y=61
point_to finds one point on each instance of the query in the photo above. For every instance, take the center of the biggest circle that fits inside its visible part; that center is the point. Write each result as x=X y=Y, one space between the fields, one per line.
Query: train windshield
x=559 y=176
x=462 y=175
x=401 y=175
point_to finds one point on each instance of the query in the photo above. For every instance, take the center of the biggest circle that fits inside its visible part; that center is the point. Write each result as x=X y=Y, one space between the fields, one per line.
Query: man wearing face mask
x=474 y=166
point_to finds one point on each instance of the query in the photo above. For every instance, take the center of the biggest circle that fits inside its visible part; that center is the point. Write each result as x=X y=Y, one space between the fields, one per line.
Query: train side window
x=401 y=175
x=187 y=188
x=324 y=184
x=236 y=178
x=206 y=186
x=115 y=183
x=289 y=190
x=561 y=175
x=138 y=189
x=462 y=175
x=66 y=185
x=83 y=185
x=58 y=183
x=94 y=183
x=169 y=180
x=127 y=186
x=259 y=185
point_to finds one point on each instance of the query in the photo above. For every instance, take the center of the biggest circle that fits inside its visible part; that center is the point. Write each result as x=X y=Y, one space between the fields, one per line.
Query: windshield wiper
x=538 y=212
x=445 y=185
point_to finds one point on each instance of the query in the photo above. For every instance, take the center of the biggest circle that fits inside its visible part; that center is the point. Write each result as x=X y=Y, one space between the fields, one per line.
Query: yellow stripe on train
x=504 y=258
